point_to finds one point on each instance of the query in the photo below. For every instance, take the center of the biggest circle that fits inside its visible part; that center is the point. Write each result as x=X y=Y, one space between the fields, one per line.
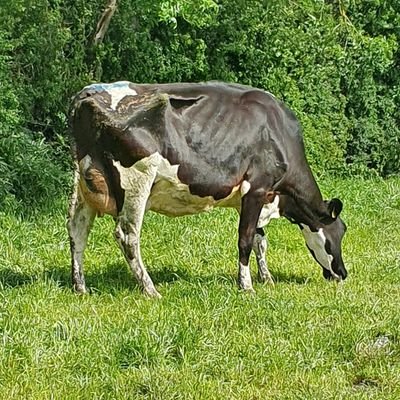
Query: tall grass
x=304 y=338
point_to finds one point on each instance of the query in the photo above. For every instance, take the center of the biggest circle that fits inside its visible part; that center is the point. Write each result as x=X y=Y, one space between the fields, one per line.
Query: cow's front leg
x=249 y=214
x=80 y=220
x=137 y=182
x=260 y=245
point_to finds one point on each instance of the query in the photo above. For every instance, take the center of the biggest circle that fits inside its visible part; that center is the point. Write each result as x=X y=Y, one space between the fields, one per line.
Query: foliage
x=335 y=62
x=372 y=85
x=28 y=170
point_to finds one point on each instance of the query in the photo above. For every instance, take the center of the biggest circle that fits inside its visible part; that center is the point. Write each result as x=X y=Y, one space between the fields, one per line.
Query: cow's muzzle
x=338 y=275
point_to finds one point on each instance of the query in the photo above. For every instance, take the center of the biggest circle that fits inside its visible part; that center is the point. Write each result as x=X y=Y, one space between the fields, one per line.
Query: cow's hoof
x=245 y=287
x=248 y=290
x=80 y=288
x=152 y=292
x=267 y=279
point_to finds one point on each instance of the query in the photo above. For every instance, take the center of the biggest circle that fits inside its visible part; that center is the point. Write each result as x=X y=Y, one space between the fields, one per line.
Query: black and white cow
x=184 y=148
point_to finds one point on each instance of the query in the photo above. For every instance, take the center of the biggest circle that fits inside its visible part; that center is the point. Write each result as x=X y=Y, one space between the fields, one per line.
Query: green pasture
x=304 y=338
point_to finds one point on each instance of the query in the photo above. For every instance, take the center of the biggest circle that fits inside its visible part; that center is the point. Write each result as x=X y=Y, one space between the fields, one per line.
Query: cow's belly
x=173 y=198
x=168 y=195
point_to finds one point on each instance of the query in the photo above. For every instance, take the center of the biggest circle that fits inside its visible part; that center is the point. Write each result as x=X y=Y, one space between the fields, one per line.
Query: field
x=304 y=338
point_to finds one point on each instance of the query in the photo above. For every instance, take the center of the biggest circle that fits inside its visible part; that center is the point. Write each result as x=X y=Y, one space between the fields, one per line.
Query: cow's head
x=324 y=240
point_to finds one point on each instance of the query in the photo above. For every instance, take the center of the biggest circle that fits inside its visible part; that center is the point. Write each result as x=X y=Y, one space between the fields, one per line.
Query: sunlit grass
x=305 y=338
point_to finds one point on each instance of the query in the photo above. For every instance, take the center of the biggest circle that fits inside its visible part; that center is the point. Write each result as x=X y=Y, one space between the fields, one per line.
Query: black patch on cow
x=179 y=105
x=260 y=231
x=114 y=180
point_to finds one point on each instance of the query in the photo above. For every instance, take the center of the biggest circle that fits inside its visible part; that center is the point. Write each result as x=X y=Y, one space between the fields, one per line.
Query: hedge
x=335 y=63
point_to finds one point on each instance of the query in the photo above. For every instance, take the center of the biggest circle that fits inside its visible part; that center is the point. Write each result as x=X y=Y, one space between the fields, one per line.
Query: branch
x=104 y=22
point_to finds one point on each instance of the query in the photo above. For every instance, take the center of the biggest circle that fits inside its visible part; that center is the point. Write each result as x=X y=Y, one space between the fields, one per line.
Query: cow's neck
x=303 y=203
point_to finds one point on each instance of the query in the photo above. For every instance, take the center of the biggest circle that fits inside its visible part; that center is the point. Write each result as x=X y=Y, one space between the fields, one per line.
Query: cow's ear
x=335 y=207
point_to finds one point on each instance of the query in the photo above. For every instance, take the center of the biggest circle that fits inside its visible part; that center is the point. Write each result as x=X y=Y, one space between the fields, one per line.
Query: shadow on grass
x=284 y=277
x=117 y=276
x=10 y=278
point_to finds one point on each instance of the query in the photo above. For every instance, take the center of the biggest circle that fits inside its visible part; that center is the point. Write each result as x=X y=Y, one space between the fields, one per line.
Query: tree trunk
x=104 y=22
x=101 y=29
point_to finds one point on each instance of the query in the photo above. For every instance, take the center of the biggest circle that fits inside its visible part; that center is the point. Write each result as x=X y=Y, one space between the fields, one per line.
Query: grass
x=305 y=338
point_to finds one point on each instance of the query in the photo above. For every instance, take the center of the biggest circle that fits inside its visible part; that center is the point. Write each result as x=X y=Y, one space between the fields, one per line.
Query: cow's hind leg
x=260 y=245
x=249 y=214
x=127 y=234
x=80 y=221
x=137 y=184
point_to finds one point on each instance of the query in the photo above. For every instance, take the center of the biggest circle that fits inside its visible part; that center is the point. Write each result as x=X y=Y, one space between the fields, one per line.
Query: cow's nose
x=342 y=272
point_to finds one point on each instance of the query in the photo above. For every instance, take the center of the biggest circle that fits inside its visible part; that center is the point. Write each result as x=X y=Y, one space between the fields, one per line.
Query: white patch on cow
x=268 y=212
x=85 y=163
x=244 y=188
x=169 y=196
x=133 y=179
x=316 y=242
x=245 y=282
x=260 y=245
x=117 y=91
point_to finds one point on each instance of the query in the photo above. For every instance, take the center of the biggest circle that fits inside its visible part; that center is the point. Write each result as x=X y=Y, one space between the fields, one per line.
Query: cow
x=184 y=148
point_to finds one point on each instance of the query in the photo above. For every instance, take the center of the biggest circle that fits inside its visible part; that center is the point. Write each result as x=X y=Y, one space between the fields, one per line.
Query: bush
x=334 y=62
x=29 y=171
